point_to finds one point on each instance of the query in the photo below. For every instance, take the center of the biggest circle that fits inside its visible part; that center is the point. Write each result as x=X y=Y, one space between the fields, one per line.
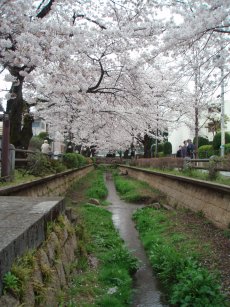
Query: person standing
x=190 y=149
x=184 y=150
x=179 y=153
x=45 y=148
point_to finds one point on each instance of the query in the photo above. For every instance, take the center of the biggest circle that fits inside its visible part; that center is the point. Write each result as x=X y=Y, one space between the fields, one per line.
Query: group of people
x=187 y=150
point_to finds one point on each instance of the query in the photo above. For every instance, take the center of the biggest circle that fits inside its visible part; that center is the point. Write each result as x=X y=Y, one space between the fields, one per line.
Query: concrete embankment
x=25 y=210
x=53 y=185
x=51 y=268
x=198 y=195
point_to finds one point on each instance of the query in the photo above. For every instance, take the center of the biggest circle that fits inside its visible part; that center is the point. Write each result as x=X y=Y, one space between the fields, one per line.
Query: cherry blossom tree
x=94 y=69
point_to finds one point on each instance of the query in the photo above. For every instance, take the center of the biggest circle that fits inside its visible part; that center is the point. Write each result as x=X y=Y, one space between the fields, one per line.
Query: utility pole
x=222 y=113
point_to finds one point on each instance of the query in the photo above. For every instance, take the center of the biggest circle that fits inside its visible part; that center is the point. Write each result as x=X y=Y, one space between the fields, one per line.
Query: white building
x=182 y=132
x=39 y=125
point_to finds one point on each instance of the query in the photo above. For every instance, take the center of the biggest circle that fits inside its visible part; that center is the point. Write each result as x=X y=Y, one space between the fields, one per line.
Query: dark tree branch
x=94 y=88
x=46 y=9
x=87 y=18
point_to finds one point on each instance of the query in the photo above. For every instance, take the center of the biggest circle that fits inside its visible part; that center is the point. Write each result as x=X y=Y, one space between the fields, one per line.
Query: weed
x=47 y=272
x=200 y=213
x=175 y=260
x=22 y=269
x=11 y=283
x=196 y=287
x=39 y=291
x=226 y=233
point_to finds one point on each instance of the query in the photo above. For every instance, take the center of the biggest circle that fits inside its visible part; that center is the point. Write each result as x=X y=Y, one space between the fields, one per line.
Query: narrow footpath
x=146 y=289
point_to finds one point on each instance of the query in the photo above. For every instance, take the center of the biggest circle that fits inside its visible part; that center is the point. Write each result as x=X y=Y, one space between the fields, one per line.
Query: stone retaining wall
x=54 y=185
x=51 y=269
x=198 y=195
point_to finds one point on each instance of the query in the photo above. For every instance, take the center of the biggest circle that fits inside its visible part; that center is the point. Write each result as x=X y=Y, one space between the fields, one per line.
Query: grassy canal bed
x=103 y=271
x=189 y=255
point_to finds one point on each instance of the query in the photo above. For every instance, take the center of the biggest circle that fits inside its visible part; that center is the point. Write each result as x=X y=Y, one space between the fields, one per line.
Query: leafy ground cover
x=104 y=266
x=188 y=253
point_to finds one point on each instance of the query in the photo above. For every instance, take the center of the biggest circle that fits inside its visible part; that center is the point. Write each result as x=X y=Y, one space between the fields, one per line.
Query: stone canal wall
x=54 y=185
x=198 y=195
x=49 y=268
x=26 y=213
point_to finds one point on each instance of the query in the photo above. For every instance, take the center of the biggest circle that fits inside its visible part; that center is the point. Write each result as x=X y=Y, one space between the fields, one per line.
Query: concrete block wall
x=54 y=185
x=198 y=195
x=51 y=270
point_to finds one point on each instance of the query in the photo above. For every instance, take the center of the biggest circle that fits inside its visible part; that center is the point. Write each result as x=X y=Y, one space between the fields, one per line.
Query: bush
x=227 y=148
x=43 y=135
x=205 y=151
x=160 y=147
x=74 y=160
x=201 y=141
x=35 y=143
x=161 y=154
x=39 y=165
x=167 y=148
x=217 y=140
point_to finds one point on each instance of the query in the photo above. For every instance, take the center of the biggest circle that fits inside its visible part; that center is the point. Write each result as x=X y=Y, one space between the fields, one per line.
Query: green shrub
x=161 y=154
x=160 y=147
x=227 y=148
x=39 y=165
x=35 y=143
x=167 y=148
x=57 y=166
x=82 y=160
x=43 y=135
x=205 y=151
x=217 y=140
x=201 y=141
x=74 y=160
x=42 y=165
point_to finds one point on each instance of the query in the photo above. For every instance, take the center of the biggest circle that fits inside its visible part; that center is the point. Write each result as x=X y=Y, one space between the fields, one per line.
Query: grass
x=132 y=190
x=176 y=259
x=98 y=189
x=19 y=177
x=104 y=266
x=90 y=186
x=15 y=280
x=196 y=174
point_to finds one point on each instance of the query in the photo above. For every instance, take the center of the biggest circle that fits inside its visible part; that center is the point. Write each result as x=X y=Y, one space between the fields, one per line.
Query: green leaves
x=11 y=282
x=175 y=260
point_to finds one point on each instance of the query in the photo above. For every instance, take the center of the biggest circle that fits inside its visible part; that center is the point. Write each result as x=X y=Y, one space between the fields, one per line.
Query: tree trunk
x=20 y=126
x=147 y=142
